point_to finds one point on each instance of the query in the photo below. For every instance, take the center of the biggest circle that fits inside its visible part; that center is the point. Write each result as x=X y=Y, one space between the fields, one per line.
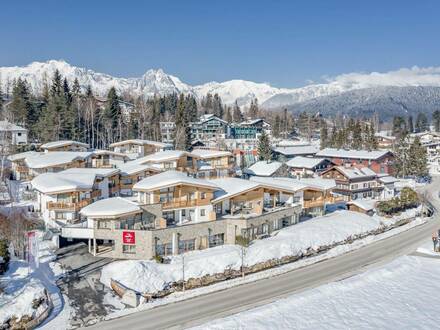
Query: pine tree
x=217 y=106
x=356 y=133
x=237 y=116
x=253 y=109
x=418 y=161
x=421 y=122
x=264 y=150
x=191 y=108
x=228 y=115
x=276 y=126
x=323 y=134
x=436 y=120
x=113 y=116
x=410 y=124
x=21 y=102
x=182 y=139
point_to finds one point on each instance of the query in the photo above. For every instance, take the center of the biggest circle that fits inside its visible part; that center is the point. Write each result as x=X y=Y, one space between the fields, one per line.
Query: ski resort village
x=145 y=184
x=109 y=209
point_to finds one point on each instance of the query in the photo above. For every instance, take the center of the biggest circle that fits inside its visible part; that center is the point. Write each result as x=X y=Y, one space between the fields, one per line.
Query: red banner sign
x=128 y=237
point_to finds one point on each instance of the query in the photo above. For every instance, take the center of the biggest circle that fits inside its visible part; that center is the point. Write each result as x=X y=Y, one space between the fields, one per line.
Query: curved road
x=201 y=309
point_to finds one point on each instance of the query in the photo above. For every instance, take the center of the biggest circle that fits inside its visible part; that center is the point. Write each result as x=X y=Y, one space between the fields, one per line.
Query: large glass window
x=216 y=240
x=130 y=249
x=187 y=245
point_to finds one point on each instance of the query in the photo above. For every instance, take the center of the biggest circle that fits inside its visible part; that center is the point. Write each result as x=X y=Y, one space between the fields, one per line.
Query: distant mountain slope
x=414 y=89
x=387 y=101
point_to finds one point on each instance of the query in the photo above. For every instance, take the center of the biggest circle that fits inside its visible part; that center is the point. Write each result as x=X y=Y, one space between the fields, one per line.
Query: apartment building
x=107 y=159
x=27 y=165
x=167 y=131
x=136 y=148
x=131 y=173
x=307 y=166
x=209 y=127
x=213 y=163
x=64 y=145
x=60 y=196
x=170 y=160
x=380 y=161
x=175 y=213
x=354 y=183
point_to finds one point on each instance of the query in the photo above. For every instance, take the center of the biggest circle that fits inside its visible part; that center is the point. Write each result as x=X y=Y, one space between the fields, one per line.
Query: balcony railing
x=174 y=204
x=22 y=169
x=318 y=202
x=68 y=206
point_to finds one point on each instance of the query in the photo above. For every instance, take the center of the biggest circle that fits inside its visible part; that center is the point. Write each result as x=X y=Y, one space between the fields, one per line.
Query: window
x=216 y=240
x=131 y=249
x=60 y=215
x=202 y=212
x=103 y=224
x=187 y=245
x=203 y=195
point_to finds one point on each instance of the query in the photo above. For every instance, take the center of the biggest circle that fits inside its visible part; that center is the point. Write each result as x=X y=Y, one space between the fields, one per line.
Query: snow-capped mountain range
x=158 y=82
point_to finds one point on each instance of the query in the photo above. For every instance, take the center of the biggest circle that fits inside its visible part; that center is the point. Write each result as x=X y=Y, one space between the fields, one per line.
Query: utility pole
x=183 y=273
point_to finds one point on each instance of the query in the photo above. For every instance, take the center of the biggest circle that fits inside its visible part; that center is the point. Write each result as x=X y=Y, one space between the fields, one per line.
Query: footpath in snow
x=317 y=234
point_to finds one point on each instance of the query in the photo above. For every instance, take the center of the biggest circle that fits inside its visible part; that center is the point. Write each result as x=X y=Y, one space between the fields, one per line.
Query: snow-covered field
x=331 y=229
x=399 y=295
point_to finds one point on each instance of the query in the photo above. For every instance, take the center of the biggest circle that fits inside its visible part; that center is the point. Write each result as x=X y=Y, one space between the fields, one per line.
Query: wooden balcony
x=22 y=169
x=319 y=202
x=175 y=204
x=96 y=193
x=66 y=206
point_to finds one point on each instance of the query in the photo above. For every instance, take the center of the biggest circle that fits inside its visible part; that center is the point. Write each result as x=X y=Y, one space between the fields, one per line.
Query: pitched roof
x=304 y=162
x=263 y=168
x=62 y=143
x=209 y=153
x=297 y=150
x=170 y=179
x=63 y=182
x=7 y=126
x=353 y=154
x=110 y=208
x=22 y=155
x=356 y=173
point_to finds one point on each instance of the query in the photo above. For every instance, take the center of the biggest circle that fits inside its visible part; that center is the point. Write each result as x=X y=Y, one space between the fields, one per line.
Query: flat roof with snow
x=55 y=158
x=134 y=167
x=162 y=156
x=140 y=142
x=102 y=172
x=353 y=154
x=62 y=143
x=170 y=179
x=50 y=183
x=111 y=208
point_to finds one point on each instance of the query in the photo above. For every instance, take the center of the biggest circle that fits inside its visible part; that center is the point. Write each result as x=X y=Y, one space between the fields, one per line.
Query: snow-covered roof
x=388 y=179
x=320 y=183
x=297 y=150
x=206 y=117
x=356 y=173
x=102 y=172
x=209 y=153
x=286 y=184
x=263 y=168
x=250 y=122
x=140 y=142
x=54 y=158
x=62 y=143
x=170 y=179
x=22 y=155
x=7 y=126
x=230 y=187
x=385 y=135
x=63 y=182
x=134 y=167
x=354 y=154
x=304 y=162
x=364 y=204
x=162 y=156
x=110 y=208
x=292 y=143
x=109 y=152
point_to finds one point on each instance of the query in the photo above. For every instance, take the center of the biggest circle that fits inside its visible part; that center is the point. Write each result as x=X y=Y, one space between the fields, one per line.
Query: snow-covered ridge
x=156 y=81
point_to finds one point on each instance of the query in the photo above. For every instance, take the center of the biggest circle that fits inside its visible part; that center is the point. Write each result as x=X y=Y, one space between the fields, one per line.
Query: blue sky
x=285 y=43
